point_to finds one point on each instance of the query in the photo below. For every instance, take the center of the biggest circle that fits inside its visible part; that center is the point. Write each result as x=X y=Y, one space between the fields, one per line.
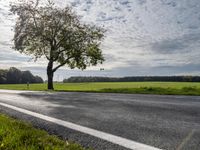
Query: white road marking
x=185 y=140
x=99 y=134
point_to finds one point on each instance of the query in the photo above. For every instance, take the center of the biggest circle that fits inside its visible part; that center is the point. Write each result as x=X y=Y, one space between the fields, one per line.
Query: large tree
x=57 y=34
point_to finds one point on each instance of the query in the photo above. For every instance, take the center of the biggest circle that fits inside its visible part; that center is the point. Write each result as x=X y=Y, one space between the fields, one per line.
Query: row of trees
x=16 y=76
x=134 y=79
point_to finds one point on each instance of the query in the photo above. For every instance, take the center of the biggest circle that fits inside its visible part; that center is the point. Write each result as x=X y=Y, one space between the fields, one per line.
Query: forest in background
x=16 y=76
x=78 y=79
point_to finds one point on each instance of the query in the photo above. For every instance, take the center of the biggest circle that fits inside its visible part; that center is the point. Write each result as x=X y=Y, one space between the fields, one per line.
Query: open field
x=171 y=88
x=15 y=134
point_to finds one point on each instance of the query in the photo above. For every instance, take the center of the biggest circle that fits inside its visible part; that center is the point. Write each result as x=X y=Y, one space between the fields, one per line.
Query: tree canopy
x=58 y=34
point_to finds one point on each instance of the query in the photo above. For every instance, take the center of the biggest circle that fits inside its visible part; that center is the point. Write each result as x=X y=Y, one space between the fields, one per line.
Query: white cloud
x=141 y=33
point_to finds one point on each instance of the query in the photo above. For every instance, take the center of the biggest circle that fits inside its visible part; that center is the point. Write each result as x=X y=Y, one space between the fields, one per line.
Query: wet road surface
x=165 y=122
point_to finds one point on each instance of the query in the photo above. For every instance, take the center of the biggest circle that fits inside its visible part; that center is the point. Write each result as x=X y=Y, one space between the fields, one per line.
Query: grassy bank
x=172 y=88
x=16 y=135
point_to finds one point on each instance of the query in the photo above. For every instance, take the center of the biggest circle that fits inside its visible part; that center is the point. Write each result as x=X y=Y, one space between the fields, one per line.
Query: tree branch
x=62 y=64
x=45 y=54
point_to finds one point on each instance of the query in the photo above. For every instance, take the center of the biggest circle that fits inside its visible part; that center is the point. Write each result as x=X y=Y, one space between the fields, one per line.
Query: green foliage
x=77 y=79
x=57 y=34
x=16 y=76
x=3 y=76
x=16 y=135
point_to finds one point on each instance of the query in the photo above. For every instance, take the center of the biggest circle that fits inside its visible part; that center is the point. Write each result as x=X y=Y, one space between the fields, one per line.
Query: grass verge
x=156 y=90
x=17 y=135
x=161 y=88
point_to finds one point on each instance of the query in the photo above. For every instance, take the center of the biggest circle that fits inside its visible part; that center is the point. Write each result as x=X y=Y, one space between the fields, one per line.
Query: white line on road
x=99 y=134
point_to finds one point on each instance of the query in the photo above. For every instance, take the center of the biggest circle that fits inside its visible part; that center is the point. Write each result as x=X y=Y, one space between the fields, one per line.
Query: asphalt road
x=165 y=122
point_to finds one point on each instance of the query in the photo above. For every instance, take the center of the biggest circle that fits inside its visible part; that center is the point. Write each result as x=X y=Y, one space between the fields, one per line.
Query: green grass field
x=171 y=88
x=17 y=135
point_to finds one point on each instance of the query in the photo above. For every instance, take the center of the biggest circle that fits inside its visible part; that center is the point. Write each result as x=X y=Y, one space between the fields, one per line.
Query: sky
x=144 y=37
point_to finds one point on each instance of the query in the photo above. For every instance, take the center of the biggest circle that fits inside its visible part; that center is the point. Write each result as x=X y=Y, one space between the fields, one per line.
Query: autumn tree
x=45 y=30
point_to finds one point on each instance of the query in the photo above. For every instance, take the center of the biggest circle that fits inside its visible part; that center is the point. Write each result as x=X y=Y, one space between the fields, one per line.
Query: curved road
x=165 y=122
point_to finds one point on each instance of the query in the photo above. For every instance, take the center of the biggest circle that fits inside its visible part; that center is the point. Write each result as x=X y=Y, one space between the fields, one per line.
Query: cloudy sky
x=144 y=37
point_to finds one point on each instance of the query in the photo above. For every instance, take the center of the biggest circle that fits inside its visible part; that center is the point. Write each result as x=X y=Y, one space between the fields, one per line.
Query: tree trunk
x=50 y=74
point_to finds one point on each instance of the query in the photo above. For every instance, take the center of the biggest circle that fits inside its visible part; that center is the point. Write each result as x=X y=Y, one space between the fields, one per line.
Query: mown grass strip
x=17 y=135
x=161 y=88
x=156 y=90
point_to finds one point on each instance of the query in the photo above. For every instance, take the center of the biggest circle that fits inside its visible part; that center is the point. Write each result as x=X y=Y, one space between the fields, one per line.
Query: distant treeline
x=77 y=79
x=16 y=76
